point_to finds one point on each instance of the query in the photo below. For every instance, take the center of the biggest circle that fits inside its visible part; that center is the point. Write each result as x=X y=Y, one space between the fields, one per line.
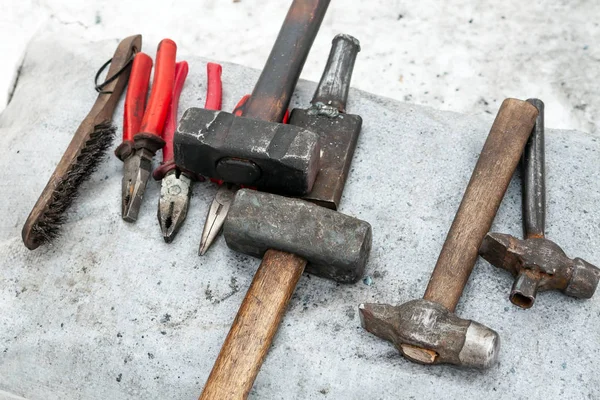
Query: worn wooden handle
x=491 y=176
x=54 y=196
x=271 y=95
x=254 y=327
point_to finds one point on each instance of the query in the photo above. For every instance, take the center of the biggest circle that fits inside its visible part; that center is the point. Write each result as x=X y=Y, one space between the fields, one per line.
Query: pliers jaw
x=137 y=169
x=216 y=215
x=143 y=126
x=175 y=193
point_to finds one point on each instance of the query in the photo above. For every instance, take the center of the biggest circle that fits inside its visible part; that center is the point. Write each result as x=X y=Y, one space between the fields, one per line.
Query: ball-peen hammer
x=427 y=331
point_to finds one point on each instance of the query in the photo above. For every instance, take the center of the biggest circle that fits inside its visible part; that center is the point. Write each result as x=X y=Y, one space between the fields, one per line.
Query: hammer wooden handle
x=273 y=90
x=254 y=327
x=491 y=176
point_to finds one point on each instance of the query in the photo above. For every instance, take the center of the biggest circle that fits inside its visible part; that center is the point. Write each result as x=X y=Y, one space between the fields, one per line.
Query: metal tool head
x=335 y=245
x=269 y=156
x=539 y=264
x=427 y=333
x=175 y=193
x=216 y=216
x=338 y=131
x=137 y=169
x=338 y=136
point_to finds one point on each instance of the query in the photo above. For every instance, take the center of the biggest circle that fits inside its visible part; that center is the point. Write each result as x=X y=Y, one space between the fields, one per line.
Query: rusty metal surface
x=247 y=152
x=336 y=245
x=533 y=175
x=338 y=132
x=285 y=155
x=428 y=333
x=538 y=264
x=338 y=137
x=334 y=85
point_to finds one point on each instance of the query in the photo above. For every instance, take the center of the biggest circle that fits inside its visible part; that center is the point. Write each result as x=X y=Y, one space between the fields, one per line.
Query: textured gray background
x=110 y=311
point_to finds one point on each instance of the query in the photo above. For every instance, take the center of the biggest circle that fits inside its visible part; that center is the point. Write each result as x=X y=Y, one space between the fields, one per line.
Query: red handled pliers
x=176 y=186
x=143 y=126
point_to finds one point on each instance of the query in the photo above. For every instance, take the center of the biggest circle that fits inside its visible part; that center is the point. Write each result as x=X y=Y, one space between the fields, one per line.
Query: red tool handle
x=135 y=102
x=181 y=71
x=162 y=89
x=214 y=91
x=240 y=109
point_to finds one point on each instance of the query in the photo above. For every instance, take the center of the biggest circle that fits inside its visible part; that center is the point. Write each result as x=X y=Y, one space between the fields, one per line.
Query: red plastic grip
x=135 y=99
x=239 y=107
x=162 y=89
x=214 y=91
x=181 y=71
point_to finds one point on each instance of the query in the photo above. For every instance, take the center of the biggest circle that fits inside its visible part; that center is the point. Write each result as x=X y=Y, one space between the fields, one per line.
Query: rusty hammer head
x=428 y=333
x=335 y=245
x=269 y=156
x=539 y=264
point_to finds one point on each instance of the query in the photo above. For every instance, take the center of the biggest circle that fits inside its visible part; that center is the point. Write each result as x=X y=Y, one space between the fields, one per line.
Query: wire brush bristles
x=94 y=151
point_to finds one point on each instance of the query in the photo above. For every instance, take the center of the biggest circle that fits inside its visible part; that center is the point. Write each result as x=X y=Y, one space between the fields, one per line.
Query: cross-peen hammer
x=427 y=331
x=537 y=263
x=289 y=233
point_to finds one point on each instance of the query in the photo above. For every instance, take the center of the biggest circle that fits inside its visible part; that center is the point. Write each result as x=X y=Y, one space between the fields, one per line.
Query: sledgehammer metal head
x=336 y=245
x=269 y=156
x=266 y=155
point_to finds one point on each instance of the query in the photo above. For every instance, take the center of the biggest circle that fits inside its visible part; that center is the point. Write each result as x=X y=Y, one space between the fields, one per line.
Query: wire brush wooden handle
x=89 y=143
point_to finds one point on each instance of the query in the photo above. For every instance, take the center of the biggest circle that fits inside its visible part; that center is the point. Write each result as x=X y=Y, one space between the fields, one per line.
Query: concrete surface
x=461 y=55
x=109 y=311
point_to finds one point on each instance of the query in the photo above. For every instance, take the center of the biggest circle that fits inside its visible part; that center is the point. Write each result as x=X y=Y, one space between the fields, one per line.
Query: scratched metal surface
x=111 y=311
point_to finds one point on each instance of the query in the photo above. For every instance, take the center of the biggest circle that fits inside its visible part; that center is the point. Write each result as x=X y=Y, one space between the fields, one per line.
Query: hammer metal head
x=427 y=333
x=269 y=156
x=539 y=264
x=335 y=245
x=338 y=136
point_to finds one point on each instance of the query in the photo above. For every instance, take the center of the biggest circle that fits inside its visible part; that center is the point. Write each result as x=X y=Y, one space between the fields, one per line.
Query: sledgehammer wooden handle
x=254 y=327
x=491 y=176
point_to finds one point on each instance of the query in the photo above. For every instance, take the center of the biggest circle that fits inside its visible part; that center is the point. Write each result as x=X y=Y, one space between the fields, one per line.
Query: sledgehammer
x=427 y=331
x=290 y=234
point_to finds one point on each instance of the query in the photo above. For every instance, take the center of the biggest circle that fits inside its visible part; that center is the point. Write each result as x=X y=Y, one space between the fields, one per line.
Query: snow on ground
x=463 y=55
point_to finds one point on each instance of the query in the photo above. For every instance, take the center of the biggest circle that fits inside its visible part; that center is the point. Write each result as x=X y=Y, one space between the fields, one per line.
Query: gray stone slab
x=109 y=311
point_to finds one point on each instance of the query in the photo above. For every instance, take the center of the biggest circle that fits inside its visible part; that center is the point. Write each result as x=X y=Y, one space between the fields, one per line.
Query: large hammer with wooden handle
x=255 y=148
x=427 y=331
x=289 y=233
